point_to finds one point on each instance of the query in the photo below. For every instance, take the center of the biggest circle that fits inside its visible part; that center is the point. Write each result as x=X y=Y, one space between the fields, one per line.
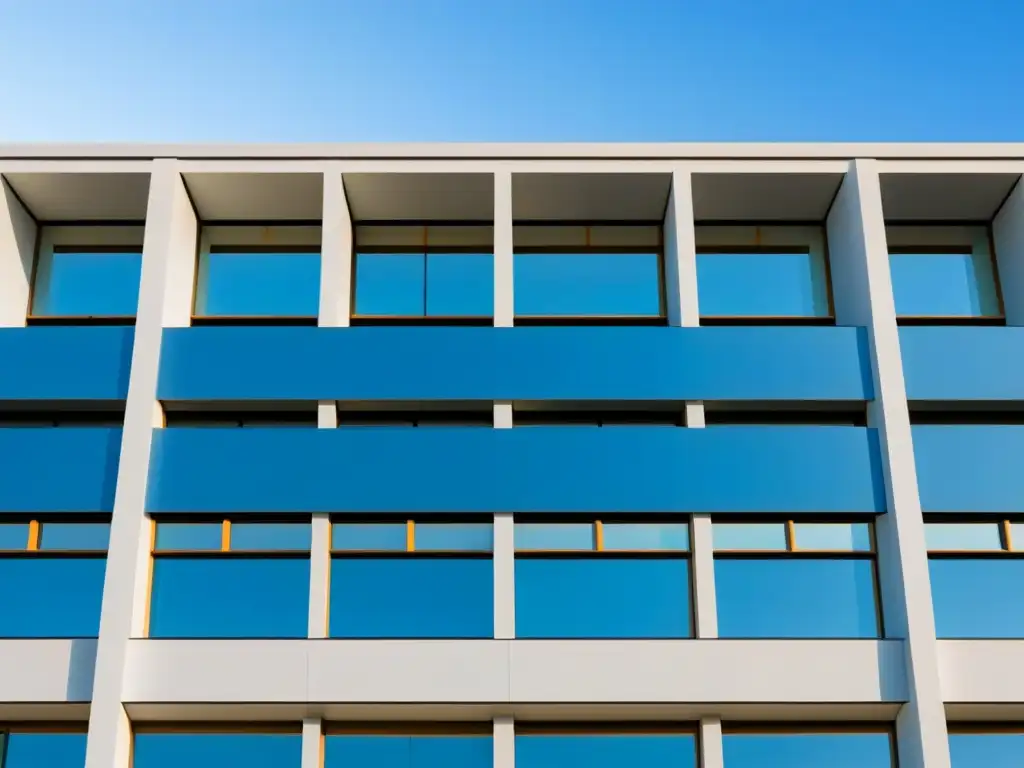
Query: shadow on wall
x=81 y=669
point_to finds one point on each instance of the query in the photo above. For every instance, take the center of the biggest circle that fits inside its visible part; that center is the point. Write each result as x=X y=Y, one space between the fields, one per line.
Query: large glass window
x=51 y=577
x=28 y=747
x=86 y=283
x=602 y=579
x=459 y=746
x=206 y=749
x=245 y=578
x=400 y=418
x=796 y=579
x=975 y=570
x=605 y=746
x=793 y=749
x=971 y=748
x=412 y=579
x=267 y=284
x=747 y=273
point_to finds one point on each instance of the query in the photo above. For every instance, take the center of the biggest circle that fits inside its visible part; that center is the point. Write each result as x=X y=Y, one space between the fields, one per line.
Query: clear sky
x=511 y=70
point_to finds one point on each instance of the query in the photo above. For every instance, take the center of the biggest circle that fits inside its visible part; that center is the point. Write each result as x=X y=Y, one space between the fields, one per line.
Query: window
x=604 y=746
x=763 y=274
x=43 y=747
x=396 y=418
x=268 y=284
x=247 y=419
x=37 y=419
x=732 y=414
x=208 y=749
x=943 y=274
x=972 y=748
x=406 y=579
x=442 y=274
x=246 y=578
x=796 y=579
x=812 y=749
x=602 y=579
x=54 y=573
x=975 y=568
x=536 y=418
x=86 y=283
x=428 y=746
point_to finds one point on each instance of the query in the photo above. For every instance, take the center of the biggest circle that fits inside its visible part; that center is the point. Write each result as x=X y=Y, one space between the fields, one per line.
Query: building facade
x=522 y=456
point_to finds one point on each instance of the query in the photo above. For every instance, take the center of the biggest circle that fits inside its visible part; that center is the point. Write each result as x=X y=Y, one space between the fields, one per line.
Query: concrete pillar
x=1008 y=237
x=504 y=553
x=711 y=755
x=335 y=252
x=864 y=297
x=504 y=306
x=19 y=233
x=504 y=742
x=169 y=245
x=312 y=743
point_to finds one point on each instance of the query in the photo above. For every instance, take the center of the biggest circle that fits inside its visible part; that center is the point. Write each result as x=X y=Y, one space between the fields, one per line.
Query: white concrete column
x=19 y=233
x=319 y=575
x=169 y=245
x=1008 y=237
x=335 y=252
x=863 y=296
x=312 y=743
x=504 y=305
x=504 y=742
x=504 y=553
x=711 y=743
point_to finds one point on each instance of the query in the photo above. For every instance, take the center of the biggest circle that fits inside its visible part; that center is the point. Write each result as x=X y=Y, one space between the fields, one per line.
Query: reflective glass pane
x=270 y=536
x=602 y=597
x=646 y=536
x=400 y=751
x=259 y=284
x=44 y=750
x=184 y=536
x=13 y=536
x=229 y=597
x=762 y=285
x=794 y=598
x=977 y=598
x=412 y=597
x=87 y=285
x=986 y=750
x=217 y=750
x=1017 y=536
x=607 y=750
x=390 y=284
x=554 y=536
x=71 y=536
x=587 y=284
x=476 y=537
x=749 y=536
x=370 y=537
x=460 y=284
x=55 y=597
x=850 y=537
x=944 y=285
x=962 y=536
x=807 y=750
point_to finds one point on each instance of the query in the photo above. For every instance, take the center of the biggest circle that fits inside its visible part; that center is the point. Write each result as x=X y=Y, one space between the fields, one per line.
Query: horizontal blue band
x=963 y=363
x=535 y=469
x=65 y=362
x=59 y=469
x=970 y=468
x=546 y=363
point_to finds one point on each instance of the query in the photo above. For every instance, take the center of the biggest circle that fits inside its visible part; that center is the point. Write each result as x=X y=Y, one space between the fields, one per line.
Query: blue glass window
x=788 y=283
x=944 y=283
x=807 y=750
x=424 y=285
x=189 y=536
x=54 y=596
x=977 y=597
x=749 y=536
x=587 y=284
x=13 y=536
x=844 y=537
x=75 y=536
x=963 y=536
x=234 y=283
x=250 y=537
x=986 y=750
x=403 y=751
x=370 y=537
x=217 y=750
x=26 y=749
x=85 y=282
x=606 y=750
x=646 y=536
x=554 y=536
x=454 y=537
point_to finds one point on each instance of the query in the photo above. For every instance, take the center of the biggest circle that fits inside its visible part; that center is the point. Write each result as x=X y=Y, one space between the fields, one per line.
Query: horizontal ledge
x=80 y=320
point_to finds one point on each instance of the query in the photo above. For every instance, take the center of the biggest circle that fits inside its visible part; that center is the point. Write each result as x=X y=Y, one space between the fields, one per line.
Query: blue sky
x=511 y=70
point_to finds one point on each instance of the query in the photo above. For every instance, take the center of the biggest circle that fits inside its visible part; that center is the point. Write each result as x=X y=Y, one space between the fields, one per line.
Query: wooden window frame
x=35 y=525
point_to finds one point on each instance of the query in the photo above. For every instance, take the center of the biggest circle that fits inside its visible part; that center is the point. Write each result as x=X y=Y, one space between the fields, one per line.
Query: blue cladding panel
x=951 y=363
x=59 y=469
x=970 y=468
x=65 y=362
x=543 y=469
x=767 y=363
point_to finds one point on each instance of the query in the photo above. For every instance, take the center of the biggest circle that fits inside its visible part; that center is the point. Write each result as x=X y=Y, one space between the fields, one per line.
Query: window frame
x=36 y=524
x=48 y=250
x=1006 y=548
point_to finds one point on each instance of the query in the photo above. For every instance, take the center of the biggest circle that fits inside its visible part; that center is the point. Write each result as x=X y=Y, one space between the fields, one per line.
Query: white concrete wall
x=18 y=235
x=1008 y=237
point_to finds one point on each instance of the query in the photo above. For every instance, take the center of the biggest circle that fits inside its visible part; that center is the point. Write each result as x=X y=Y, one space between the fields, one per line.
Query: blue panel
x=606 y=750
x=544 y=469
x=977 y=598
x=808 y=750
x=398 y=751
x=970 y=468
x=216 y=750
x=59 y=469
x=531 y=363
x=51 y=596
x=412 y=597
x=65 y=362
x=778 y=597
x=43 y=750
x=963 y=363
x=986 y=750
x=602 y=597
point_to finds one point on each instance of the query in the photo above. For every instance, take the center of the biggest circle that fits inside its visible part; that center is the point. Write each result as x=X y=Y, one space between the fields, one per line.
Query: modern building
x=523 y=456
